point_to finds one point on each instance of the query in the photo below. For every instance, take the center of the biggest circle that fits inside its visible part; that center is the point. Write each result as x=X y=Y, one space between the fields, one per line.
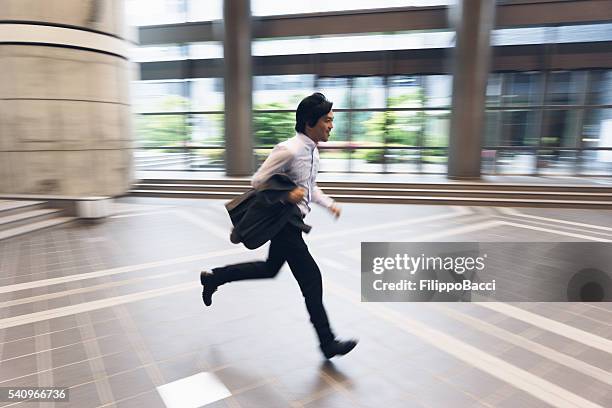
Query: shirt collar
x=306 y=140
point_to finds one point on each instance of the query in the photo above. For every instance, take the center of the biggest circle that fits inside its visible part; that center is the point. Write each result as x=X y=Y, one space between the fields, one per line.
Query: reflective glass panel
x=566 y=87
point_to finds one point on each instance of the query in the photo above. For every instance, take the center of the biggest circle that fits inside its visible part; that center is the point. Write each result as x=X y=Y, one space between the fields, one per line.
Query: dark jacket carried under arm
x=258 y=215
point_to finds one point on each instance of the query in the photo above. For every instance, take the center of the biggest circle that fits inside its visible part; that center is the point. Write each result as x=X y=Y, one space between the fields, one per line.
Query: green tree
x=272 y=128
x=396 y=128
x=166 y=130
x=399 y=127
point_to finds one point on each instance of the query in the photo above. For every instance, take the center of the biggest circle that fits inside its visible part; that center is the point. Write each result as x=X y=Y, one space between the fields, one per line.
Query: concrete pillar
x=65 y=120
x=238 y=78
x=474 y=20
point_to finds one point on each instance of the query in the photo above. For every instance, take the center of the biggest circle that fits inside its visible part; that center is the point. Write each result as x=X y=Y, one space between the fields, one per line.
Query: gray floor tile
x=256 y=338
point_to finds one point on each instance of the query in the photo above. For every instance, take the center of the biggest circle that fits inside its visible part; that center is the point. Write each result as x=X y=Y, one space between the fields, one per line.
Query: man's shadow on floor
x=329 y=369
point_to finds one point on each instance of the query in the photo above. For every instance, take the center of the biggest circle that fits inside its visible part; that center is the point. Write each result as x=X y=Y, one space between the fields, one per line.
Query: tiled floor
x=113 y=311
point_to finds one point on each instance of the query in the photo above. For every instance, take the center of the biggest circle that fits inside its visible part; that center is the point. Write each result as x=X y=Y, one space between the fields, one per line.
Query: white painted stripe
x=87 y=289
x=93 y=305
x=555 y=225
x=514 y=212
x=50 y=349
x=208 y=227
x=28 y=33
x=554 y=326
x=538 y=387
x=537 y=348
x=552 y=231
x=457 y=212
x=139 y=214
x=121 y=269
x=458 y=230
x=356 y=254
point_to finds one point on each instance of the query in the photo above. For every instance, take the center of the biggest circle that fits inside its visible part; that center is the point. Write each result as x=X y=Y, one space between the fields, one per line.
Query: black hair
x=310 y=110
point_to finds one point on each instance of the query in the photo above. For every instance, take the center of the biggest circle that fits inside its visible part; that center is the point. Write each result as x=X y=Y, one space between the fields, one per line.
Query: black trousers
x=288 y=245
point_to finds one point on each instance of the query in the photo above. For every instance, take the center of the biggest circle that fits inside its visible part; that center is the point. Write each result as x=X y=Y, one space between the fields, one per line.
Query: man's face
x=320 y=131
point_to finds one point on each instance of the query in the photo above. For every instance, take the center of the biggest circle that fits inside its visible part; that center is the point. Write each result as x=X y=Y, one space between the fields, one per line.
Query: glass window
x=207 y=94
x=519 y=128
x=406 y=92
x=492 y=129
x=152 y=12
x=597 y=129
x=435 y=138
x=206 y=129
x=368 y=92
x=336 y=90
x=438 y=90
x=509 y=161
x=158 y=53
x=281 y=91
x=521 y=89
x=205 y=50
x=560 y=128
x=271 y=128
x=204 y=10
x=566 y=87
x=162 y=130
x=160 y=96
x=437 y=128
x=600 y=92
x=494 y=89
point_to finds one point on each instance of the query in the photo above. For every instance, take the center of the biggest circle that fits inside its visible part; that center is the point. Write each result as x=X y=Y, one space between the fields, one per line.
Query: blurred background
x=548 y=94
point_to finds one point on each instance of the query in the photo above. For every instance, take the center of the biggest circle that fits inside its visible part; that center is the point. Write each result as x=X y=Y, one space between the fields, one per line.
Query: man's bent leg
x=252 y=270
x=242 y=271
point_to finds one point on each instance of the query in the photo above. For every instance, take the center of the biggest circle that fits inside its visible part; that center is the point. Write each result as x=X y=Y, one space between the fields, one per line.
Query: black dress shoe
x=207 y=280
x=338 y=348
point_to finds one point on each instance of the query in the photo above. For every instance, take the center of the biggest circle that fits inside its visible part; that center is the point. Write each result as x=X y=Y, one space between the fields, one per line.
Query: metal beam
x=509 y=14
x=404 y=62
x=519 y=13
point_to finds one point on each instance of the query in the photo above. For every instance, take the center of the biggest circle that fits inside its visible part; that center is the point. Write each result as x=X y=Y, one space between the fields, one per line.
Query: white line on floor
x=532 y=346
x=554 y=326
x=553 y=231
x=141 y=214
x=88 y=289
x=93 y=305
x=514 y=212
x=123 y=269
x=356 y=254
x=457 y=212
x=538 y=387
x=208 y=226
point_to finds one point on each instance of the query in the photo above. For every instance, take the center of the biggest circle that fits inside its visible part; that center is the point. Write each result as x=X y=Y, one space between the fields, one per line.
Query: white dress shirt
x=298 y=158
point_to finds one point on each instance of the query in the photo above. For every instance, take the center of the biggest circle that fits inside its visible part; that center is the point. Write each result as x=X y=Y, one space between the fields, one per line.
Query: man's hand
x=296 y=195
x=335 y=210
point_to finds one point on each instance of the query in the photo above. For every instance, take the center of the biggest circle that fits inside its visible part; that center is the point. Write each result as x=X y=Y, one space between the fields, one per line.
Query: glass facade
x=555 y=122
x=396 y=123
x=180 y=124
x=548 y=123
